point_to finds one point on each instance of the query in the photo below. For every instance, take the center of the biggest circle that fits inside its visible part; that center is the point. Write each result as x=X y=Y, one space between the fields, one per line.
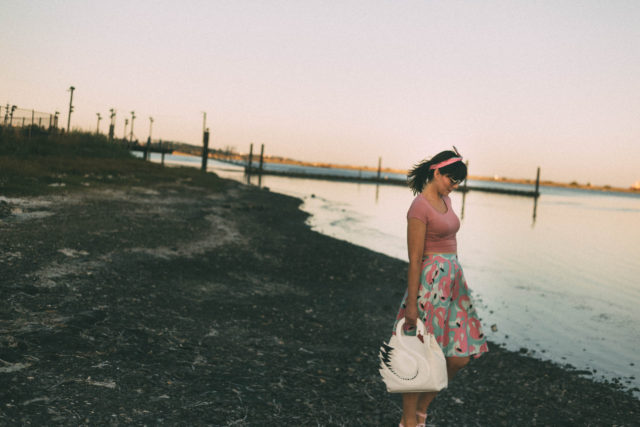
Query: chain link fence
x=12 y=116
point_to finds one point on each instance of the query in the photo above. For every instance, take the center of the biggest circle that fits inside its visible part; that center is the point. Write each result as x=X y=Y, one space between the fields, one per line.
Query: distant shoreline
x=546 y=183
x=600 y=188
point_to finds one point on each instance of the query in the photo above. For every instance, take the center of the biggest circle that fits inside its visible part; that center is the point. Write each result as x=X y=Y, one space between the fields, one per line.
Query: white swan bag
x=412 y=363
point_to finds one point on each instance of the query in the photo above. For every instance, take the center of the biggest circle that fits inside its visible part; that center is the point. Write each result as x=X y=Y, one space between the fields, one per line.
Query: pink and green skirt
x=446 y=307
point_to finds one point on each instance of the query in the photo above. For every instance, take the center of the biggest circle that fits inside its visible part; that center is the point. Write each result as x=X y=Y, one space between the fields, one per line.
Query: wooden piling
x=250 y=157
x=161 y=151
x=147 y=149
x=30 y=127
x=537 y=193
x=261 y=158
x=379 y=167
x=464 y=187
x=205 y=149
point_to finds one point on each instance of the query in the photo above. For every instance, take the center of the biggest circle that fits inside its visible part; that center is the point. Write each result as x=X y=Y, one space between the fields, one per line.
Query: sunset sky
x=513 y=84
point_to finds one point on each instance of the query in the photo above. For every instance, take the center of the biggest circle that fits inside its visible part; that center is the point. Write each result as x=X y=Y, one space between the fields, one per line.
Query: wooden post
x=32 y=114
x=379 y=167
x=537 y=193
x=161 y=151
x=147 y=149
x=205 y=149
x=464 y=188
x=250 y=158
x=261 y=158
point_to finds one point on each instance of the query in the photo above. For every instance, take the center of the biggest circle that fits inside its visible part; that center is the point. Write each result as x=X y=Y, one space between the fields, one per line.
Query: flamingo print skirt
x=446 y=307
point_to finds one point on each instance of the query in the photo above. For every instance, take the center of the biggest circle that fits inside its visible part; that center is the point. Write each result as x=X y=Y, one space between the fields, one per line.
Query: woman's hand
x=411 y=315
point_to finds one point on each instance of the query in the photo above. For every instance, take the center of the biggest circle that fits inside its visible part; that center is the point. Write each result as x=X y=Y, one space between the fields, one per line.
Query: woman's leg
x=454 y=364
x=409 y=409
x=424 y=401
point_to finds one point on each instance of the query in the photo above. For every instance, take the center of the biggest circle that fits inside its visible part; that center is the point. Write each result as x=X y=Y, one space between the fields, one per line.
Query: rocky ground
x=176 y=305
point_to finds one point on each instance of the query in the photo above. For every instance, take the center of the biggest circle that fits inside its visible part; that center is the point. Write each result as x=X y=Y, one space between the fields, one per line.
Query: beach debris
x=199 y=361
x=162 y=396
x=72 y=253
x=108 y=384
x=12 y=367
x=101 y=365
x=10 y=256
x=5 y=209
x=494 y=328
x=44 y=399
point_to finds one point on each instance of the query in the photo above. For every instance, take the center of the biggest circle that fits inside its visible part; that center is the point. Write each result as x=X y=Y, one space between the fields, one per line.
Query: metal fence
x=12 y=116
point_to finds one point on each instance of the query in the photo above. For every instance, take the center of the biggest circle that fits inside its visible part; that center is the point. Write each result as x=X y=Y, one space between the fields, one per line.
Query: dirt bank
x=175 y=305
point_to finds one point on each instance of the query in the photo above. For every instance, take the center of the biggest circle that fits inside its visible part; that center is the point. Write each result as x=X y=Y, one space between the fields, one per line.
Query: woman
x=437 y=292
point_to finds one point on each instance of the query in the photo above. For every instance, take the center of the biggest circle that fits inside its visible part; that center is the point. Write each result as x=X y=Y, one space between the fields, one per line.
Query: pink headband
x=445 y=163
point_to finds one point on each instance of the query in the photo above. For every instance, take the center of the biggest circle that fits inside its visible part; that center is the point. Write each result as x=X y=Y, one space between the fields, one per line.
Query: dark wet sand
x=172 y=305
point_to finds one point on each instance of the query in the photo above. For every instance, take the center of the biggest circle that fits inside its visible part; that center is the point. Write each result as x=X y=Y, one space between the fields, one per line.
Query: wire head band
x=446 y=163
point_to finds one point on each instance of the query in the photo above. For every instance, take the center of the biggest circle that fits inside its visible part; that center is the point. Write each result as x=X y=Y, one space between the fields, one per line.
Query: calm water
x=566 y=285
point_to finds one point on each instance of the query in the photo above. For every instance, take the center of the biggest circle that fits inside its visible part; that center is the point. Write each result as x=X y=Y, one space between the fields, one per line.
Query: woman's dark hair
x=421 y=173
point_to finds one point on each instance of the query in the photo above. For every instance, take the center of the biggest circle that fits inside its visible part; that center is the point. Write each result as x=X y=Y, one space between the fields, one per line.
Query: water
x=565 y=284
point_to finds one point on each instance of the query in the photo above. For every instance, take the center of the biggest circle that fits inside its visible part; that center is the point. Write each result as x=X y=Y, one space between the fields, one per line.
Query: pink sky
x=514 y=85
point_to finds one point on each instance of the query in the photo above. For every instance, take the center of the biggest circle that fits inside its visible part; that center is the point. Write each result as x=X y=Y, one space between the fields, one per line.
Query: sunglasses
x=454 y=181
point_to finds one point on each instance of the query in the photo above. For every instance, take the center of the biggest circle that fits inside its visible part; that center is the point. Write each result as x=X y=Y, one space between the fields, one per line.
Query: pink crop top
x=441 y=227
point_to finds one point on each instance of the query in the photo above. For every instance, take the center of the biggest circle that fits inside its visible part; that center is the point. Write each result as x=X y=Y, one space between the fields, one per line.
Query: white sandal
x=424 y=422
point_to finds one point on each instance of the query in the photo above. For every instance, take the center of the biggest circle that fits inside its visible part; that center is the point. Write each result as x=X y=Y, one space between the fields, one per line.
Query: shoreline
x=175 y=304
x=543 y=183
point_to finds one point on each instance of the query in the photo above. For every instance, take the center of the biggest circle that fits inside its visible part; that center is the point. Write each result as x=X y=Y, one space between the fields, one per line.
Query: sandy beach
x=173 y=304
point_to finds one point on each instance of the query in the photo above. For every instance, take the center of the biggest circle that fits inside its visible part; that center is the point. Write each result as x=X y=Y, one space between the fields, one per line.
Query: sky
x=514 y=85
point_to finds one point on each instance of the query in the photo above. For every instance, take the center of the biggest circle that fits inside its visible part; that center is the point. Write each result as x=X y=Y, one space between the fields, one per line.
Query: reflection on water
x=558 y=275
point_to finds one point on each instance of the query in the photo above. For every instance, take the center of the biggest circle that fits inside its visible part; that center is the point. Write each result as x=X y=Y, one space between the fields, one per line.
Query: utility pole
x=133 y=116
x=71 y=89
x=150 y=126
x=98 y=125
